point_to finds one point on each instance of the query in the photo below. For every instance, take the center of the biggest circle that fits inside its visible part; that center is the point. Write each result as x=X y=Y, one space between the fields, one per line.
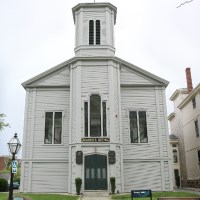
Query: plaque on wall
x=79 y=157
x=111 y=157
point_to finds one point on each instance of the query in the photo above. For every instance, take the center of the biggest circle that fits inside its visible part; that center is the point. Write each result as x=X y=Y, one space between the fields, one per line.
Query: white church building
x=95 y=116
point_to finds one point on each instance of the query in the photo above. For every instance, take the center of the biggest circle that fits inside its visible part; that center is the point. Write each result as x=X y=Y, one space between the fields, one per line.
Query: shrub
x=78 y=182
x=178 y=181
x=3 y=185
x=112 y=182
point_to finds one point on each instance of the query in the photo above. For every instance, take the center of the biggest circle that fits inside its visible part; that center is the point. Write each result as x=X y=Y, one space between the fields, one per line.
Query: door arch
x=96 y=172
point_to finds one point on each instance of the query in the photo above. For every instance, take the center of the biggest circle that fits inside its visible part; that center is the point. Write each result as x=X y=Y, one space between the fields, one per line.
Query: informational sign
x=141 y=194
x=14 y=166
x=79 y=157
x=111 y=157
x=93 y=139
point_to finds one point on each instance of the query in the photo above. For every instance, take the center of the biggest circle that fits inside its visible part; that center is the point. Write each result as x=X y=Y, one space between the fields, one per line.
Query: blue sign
x=14 y=166
x=141 y=194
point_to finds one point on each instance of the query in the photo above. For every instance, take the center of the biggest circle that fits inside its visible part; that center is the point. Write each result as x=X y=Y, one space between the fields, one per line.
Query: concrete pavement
x=95 y=196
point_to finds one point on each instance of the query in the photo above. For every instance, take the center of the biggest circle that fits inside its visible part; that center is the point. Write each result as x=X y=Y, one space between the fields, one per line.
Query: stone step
x=96 y=193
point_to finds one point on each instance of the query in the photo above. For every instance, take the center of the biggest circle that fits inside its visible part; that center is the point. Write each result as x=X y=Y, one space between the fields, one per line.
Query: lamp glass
x=14 y=145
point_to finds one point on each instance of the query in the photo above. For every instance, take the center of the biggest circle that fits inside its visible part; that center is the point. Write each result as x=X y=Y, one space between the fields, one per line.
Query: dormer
x=94 y=33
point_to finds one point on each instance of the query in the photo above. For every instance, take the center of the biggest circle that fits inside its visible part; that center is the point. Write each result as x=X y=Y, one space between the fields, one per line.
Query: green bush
x=3 y=185
x=78 y=182
x=112 y=182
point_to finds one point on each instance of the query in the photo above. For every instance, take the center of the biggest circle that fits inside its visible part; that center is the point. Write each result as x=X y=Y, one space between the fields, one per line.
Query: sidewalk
x=187 y=189
x=95 y=196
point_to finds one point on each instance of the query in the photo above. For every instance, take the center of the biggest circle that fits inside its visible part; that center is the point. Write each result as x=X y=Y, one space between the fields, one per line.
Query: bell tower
x=94 y=29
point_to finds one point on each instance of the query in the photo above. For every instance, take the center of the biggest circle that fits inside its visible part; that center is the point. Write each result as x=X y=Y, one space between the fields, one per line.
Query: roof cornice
x=171 y=116
x=190 y=96
x=94 y=5
x=177 y=92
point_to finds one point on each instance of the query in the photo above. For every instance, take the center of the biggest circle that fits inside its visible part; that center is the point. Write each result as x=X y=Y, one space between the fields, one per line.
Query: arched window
x=94 y=32
x=98 y=29
x=91 y=32
x=95 y=117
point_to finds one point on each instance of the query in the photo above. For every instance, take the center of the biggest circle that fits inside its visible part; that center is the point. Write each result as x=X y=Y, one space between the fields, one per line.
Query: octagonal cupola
x=94 y=33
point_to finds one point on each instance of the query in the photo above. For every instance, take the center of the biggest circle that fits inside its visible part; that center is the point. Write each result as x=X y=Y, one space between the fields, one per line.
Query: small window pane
x=175 y=156
x=199 y=156
x=194 y=102
x=104 y=173
x=196 y=128
x=143 y=127
x=98 y=173
x=95 y=115
x=98 y=32
x=57 y=127
x=91 y=32
x=174 y=145
x=48 y=127
x=92 y=173
x=86 y=118
x=87 y=175
x=133 y=126
x=104 y=119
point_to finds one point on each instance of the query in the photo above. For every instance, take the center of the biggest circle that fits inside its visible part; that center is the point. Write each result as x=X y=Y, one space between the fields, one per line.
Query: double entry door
x=96 y=172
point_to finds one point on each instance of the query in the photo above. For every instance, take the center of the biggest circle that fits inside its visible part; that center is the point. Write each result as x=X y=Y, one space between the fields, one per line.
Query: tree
x=2 y=123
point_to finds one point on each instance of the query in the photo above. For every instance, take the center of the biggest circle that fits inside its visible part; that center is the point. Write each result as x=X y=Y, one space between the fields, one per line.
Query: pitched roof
x=68 y=63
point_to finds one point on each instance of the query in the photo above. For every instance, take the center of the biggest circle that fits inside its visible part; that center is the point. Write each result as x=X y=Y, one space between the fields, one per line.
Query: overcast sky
x=36 y=35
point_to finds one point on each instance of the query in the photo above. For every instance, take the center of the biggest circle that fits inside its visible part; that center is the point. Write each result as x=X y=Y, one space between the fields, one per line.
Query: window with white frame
x=95 y=117
x=53 y=127
x=94 y=32
x=138 y=126
x=196 y=123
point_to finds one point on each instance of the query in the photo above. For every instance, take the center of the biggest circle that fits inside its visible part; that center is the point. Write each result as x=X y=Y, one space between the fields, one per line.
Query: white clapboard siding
x=74 y=104
x=50 y=177
x=58 y=78
x=28 y=125
x=25 y=175
x=116 y=105
x=140 y=98
x=51 y=100
x=94 y=79
x=142 y=175
x=128 y=77
x=164 y=132
x=167 y=175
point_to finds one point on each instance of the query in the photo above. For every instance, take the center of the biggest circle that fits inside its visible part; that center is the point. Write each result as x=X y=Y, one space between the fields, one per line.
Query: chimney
x=189 y=79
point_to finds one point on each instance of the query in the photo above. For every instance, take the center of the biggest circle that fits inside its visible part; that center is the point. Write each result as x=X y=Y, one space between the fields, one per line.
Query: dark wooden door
x=96 y=172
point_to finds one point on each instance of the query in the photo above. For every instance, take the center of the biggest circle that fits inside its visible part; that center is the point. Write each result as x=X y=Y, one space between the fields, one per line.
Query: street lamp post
x=14 y=146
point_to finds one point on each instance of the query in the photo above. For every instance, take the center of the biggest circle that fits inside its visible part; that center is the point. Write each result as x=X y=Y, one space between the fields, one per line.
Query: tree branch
x=184 y=3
